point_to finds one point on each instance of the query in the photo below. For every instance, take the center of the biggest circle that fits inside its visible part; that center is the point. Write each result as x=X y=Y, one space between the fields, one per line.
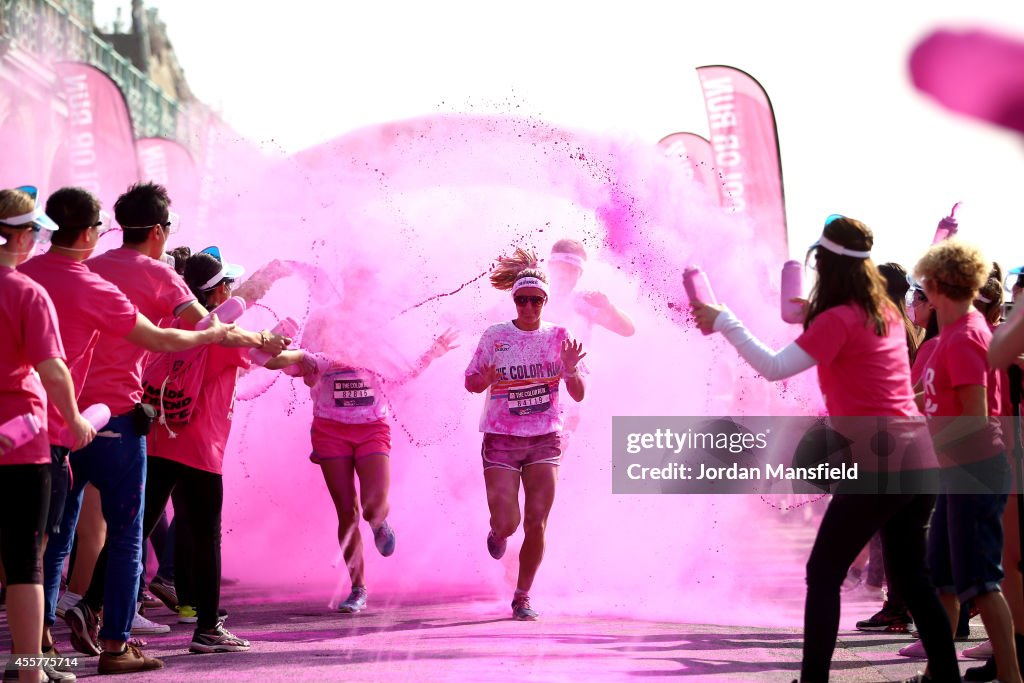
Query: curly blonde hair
x=520 y=264
x=958 y=269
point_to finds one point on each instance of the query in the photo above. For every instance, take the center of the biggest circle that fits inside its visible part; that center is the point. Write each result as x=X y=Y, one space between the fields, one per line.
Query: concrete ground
x=471 y=639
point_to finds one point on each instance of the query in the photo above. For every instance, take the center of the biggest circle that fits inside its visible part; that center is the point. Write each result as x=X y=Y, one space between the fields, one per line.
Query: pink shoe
x=982 y=651
x=915 y=650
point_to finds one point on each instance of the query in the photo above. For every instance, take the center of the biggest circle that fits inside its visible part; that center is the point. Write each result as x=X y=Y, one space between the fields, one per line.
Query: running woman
x=520 y=364
x=351 y=436
x=854 y=336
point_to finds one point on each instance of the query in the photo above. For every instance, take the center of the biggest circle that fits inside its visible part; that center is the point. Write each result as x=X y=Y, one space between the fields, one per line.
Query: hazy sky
x=855 y=137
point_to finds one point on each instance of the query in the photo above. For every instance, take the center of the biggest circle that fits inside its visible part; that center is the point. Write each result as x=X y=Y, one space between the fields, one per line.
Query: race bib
x=351 y=393
x=535 y=398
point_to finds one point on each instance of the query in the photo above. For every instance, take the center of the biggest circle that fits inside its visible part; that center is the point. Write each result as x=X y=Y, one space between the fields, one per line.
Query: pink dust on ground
x=387 y=218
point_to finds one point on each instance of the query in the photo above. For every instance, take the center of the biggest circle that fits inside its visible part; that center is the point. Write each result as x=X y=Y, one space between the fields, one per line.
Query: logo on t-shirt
x=535 y=398
x=350 y=393
x=502 y=346
x=930 y=406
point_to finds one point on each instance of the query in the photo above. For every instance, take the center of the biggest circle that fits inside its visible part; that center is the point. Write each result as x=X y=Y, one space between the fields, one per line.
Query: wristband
x=575 y=373
x=263 y=339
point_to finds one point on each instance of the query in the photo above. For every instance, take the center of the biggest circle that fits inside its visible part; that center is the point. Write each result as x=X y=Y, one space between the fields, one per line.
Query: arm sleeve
x=771 y=365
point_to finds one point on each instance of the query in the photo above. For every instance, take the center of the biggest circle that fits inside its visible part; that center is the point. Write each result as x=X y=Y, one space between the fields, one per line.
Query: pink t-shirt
x=924 y=352
x=961 y=359
x=86 y=306
x=201 y=443
x=860 y=372
x=28 y=336
x=115 y=377
x=525 y=399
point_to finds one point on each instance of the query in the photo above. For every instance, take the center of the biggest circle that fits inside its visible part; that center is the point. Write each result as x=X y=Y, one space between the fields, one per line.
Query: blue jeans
x=116 y=466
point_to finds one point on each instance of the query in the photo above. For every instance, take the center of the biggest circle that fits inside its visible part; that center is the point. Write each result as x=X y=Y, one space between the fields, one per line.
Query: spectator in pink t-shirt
x=852 y=333
x=187 y=464
x=29 y=343
x=962 y=399
x=520 y=366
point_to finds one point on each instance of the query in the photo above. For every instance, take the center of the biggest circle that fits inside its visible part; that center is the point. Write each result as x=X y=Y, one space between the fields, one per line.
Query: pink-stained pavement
x=472 y=638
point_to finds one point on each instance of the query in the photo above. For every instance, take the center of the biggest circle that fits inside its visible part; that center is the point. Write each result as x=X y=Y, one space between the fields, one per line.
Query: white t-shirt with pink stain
x=524 y=401
x=346 y=394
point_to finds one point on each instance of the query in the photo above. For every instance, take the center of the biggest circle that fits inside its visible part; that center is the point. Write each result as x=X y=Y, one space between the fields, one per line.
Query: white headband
x=37 y=216
x=839 y=249
x=982 y=299
x=572 y=259
x=530 y=281
x=209 y=284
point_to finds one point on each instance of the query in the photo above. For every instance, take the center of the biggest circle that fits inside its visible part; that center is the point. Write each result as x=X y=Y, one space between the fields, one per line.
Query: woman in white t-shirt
x=520 y=364
x=350 y=434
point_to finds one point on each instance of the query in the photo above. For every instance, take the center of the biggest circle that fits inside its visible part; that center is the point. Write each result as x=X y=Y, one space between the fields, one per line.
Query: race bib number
x=351 y=393
x=535 y=398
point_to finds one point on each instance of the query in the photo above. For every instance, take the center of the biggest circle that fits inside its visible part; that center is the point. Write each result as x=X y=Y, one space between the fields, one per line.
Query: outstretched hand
x=444 y=343
x=571 y=354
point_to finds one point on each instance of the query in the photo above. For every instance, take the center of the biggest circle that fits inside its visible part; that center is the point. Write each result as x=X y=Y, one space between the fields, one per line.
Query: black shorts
x=24 y=502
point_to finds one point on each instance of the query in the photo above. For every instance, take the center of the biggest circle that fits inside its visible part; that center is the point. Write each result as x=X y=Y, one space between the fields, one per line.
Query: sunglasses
x=535 y=300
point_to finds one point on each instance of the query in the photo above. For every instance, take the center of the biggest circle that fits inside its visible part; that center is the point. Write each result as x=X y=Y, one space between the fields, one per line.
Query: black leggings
x=24 y=504
x=198 y=499
x=848 y=524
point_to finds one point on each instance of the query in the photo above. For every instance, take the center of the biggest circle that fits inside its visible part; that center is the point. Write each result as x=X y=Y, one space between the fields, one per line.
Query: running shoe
x=495 y=546
x=141 y=626
x=384 y=539
x=887 y=619
x=521 y=610
x=355 y=602
x=217 y=639
x=66 y=601
x=187 y=614
x=915 y=650
x=165 y=592
x=85 y=628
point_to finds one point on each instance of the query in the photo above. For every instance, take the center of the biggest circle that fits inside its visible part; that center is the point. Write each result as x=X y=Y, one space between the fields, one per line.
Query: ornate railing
x=51 y=33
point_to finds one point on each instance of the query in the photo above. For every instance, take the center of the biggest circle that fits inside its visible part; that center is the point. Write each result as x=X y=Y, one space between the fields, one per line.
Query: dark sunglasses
x=535 y=300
